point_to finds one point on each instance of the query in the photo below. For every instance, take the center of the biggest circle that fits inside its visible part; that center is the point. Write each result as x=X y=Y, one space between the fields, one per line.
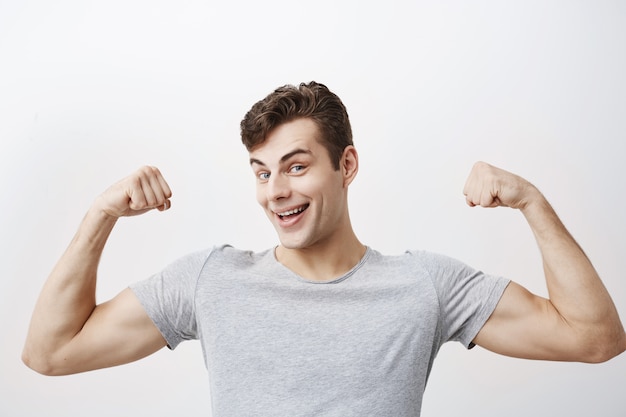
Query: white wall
x=90 y=90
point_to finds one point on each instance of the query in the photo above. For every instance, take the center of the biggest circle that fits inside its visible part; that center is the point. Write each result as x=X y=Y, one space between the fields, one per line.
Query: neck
x=324 y=261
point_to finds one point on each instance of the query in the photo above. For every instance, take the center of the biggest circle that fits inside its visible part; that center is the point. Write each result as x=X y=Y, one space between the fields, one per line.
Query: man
x=321 y=324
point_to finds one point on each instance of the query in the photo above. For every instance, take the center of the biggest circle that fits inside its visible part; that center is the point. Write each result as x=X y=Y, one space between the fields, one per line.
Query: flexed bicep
x=118 y=331
x=528 y=326
x=578 y=321
x=68 y=332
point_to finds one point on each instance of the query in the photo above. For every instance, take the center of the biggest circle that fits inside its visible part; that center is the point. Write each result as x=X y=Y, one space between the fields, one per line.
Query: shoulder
x=239 y=258
x=433 y=261
x=190 y=266
x=442 y=271
x=410 y=267
x=417 y=260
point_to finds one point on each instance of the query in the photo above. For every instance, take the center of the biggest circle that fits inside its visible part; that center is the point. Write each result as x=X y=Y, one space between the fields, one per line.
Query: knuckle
x=144 y=170
x=137 y=205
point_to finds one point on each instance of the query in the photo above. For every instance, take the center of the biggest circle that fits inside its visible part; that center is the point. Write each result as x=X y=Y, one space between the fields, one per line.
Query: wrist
x=533 y=199
x=95 y=227
x=538 y=212
x=102 y=212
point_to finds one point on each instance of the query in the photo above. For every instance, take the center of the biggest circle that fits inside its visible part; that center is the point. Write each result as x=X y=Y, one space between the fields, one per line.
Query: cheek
x=318 y=184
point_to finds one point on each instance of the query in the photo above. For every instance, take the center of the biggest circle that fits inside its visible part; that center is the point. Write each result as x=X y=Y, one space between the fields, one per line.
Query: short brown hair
x=309 y=100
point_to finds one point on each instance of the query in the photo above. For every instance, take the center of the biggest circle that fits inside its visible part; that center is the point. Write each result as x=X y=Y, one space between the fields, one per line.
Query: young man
x=321 y=324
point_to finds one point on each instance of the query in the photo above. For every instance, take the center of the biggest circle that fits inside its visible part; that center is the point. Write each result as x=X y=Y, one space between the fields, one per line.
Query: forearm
x=574 y=287
x=68 y=296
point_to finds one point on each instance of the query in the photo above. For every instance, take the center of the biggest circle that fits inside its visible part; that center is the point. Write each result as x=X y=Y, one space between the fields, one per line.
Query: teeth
x=290 y=212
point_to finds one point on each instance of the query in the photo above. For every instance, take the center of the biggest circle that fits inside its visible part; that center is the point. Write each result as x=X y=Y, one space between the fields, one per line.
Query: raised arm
x=579 y=321
x=68 y=333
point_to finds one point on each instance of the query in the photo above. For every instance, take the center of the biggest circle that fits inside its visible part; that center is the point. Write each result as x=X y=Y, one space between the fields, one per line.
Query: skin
x=293 y=170
x=579 y=321
x=69 y=333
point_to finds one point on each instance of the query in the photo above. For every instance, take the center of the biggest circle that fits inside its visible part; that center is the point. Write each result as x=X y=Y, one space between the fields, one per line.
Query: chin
x=293 y=243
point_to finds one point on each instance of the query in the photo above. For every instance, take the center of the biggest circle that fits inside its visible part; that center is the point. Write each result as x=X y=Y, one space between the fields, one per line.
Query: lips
x=287 y=214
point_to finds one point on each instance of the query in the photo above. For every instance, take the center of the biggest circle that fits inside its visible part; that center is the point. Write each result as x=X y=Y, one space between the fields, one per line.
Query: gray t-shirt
x=276 y=344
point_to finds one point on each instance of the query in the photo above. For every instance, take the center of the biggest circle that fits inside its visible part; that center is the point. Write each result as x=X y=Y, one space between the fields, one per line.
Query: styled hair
x=308 y=100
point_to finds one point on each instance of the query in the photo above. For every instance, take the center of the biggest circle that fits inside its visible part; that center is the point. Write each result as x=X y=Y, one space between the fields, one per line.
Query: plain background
x=90 y=91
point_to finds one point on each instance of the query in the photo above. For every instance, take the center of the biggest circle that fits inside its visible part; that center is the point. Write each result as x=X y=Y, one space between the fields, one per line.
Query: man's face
x=302 y=194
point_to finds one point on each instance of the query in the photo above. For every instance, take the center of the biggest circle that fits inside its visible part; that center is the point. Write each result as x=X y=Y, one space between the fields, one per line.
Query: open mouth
x=285 y=215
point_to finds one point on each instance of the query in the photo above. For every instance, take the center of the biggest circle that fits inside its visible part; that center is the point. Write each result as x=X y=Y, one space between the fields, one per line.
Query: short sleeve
x=467 y=297
x=168 y=298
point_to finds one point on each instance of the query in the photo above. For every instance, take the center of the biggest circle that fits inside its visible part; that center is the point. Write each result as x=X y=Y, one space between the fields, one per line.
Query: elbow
x=598 y=356
x=36 y=364
x=40 y=363
x=604 y=348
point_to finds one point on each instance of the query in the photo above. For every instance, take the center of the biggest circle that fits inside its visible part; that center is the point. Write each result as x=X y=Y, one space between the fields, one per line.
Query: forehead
x=302 y=134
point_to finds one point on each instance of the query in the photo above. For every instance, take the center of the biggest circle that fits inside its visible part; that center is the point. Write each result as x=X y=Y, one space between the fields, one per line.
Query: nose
x=278 y=187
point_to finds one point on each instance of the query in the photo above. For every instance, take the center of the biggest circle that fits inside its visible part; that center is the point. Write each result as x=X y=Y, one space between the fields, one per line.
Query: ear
x=349 y=164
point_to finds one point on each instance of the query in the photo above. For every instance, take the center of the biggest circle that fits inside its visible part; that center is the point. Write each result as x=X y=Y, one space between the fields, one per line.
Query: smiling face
x=303 y=195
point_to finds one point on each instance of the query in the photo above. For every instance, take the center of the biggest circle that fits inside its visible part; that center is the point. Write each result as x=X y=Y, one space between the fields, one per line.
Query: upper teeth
x=290 y=212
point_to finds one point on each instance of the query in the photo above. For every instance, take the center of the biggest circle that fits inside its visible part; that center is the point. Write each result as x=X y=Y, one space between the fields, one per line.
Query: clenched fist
x=488 y=186
x=142 y=191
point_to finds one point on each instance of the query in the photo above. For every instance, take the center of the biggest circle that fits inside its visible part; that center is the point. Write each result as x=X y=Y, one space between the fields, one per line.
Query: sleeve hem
x=486 y=311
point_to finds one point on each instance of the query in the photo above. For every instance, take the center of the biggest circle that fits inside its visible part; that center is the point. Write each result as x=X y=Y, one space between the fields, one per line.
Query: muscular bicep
x=524 y=325
x=118 y=331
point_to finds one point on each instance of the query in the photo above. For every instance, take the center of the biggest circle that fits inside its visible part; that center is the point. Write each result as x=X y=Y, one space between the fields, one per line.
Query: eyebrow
x=284 y=158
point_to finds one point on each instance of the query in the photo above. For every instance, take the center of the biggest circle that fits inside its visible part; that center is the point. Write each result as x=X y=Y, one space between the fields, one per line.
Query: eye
x=296 y=168
x=263 y=176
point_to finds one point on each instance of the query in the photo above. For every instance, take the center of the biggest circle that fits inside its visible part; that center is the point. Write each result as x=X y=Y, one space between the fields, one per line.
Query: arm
x=68 y=332
x=579 y=321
